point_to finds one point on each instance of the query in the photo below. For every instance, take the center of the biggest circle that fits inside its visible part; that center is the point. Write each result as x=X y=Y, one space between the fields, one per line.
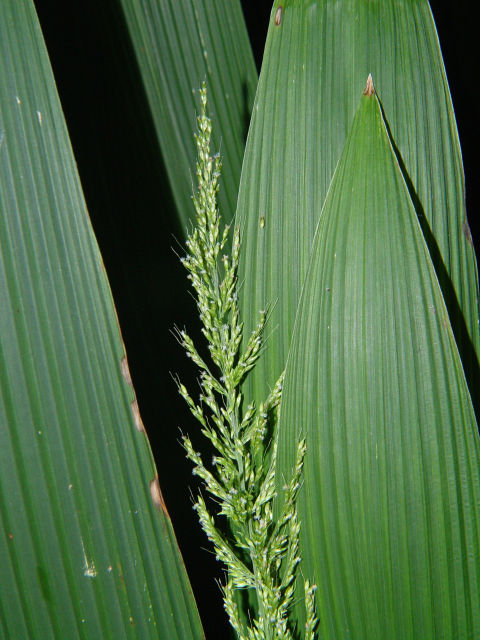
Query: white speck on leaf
x=89 y=566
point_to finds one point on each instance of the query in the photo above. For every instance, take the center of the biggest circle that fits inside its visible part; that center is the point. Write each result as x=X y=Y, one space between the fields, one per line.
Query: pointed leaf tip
x=369 y=88
x=386 y=451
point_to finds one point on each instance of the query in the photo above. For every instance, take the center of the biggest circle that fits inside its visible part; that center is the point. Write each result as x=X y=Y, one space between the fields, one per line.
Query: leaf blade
x=392 y=471
x=84 y=544
x=178 y=45
x=315 y=65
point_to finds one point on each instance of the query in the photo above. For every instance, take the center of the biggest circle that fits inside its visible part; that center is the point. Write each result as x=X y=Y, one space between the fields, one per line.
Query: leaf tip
x=369 y=88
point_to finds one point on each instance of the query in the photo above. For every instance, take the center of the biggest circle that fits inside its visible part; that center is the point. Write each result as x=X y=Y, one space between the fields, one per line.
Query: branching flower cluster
x=260 y=552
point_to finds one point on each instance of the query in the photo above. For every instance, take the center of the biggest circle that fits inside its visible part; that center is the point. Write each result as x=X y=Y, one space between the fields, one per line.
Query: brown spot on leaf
x=10 y=535
x=126 y=371
x=136 y=416
x=278 y=15
x=467 y=233
x=369 y=88
x=157 y=496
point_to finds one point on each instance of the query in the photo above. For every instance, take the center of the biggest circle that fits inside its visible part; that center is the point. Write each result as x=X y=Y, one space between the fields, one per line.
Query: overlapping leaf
x=87 y=547
x=389 y=509
x=178 y=45
x=317 y=57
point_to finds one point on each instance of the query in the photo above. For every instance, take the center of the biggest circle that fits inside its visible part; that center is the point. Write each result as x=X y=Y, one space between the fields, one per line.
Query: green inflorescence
x=260 y=552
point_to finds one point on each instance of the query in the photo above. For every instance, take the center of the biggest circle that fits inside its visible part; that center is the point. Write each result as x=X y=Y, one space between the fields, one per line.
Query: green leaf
x=317 y=57
x=389 y=509
x=87 y=547
x=178 y=45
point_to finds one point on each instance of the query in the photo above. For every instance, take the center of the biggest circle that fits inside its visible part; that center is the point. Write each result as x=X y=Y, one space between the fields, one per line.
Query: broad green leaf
x=177 y=46
x=389 y=508
x=86 y=545
x=317 y=56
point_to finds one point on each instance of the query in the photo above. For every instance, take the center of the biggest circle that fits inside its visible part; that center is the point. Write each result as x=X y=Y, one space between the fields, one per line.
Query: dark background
x=131 y=210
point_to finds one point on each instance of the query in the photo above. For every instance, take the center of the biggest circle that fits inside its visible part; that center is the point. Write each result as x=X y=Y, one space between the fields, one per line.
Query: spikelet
x=259 y=553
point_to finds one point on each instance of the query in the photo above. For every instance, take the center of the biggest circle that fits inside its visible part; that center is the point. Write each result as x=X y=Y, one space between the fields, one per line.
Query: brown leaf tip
x=369 y=88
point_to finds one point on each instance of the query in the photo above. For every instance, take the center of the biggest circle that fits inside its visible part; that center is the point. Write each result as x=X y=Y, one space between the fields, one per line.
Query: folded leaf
x=389 y=509
x=86 y=545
